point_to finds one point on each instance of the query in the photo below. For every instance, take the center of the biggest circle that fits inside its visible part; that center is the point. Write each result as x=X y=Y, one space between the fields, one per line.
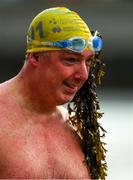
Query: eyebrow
x=78 y=55
x=71 y=52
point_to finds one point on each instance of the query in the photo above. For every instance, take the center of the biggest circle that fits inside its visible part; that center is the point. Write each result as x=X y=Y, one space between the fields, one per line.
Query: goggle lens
x=78 y=44
x=97 y=43
x=74 y=44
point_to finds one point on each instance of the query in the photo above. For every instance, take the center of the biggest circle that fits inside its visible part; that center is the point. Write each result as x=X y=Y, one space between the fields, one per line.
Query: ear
x=32 y=60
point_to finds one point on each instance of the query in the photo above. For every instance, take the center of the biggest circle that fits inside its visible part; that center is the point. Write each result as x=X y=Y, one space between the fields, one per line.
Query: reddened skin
x=33 y=60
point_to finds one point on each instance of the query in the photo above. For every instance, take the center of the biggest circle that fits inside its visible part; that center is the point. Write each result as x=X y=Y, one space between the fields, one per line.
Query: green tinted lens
x=78 y=44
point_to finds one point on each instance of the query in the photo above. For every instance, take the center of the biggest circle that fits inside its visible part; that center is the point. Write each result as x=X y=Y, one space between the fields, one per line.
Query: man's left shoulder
x=65 y=115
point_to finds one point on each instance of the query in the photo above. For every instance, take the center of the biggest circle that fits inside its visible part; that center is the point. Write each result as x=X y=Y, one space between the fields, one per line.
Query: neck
x=29 y=98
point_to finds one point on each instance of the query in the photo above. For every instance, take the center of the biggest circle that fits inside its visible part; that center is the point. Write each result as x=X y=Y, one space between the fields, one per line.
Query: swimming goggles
x=78 y=44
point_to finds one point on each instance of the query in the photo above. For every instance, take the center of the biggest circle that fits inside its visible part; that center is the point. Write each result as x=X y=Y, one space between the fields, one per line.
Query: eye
x=70 y=60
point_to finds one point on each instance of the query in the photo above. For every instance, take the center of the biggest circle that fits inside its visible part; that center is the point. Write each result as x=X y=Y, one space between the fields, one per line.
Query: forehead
x=85 y=54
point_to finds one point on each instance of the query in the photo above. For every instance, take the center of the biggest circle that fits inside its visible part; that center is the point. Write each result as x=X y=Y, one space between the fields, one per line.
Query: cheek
x=62 y=73
x=46 y=79
x=53 y=79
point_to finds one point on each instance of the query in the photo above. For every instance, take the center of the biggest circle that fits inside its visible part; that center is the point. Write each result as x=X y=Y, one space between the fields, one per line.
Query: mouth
x=71 y=86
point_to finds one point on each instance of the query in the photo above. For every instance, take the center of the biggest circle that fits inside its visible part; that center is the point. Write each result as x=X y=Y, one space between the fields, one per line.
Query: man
x=37 y=138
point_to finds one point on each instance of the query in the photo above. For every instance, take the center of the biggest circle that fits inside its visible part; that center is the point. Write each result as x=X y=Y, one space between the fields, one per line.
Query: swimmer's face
x=62 y=73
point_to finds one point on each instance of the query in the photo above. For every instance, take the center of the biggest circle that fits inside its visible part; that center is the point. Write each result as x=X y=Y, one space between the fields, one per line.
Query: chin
x=65 y=100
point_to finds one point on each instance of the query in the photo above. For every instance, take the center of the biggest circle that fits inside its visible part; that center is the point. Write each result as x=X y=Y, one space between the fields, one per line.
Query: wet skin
x=35 y=140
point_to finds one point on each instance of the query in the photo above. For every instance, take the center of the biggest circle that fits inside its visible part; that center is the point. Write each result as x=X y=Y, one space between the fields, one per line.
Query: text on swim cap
x=38 y=28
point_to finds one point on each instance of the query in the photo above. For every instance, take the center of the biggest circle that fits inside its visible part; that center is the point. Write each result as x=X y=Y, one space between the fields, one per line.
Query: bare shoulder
x=7 y=108
x=4 y=95
x=70 y=128
x=3 y=103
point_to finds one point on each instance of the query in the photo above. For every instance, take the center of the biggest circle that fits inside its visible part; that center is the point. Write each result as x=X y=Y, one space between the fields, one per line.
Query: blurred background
x=114 y=19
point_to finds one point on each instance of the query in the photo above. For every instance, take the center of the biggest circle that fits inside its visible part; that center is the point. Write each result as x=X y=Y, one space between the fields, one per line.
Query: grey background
x=114 y=19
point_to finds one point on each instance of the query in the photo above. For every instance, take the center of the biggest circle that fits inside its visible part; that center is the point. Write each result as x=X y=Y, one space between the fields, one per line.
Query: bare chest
x=36 y=151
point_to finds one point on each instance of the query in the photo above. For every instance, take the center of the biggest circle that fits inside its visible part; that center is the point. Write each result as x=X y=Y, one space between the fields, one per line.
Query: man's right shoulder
x=5 y=110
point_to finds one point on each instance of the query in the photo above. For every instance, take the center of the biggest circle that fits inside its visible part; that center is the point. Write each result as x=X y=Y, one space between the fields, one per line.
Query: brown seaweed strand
x=85 y=122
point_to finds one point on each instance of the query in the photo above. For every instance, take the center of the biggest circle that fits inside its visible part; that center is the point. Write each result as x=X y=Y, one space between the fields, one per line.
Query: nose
x=82 y=71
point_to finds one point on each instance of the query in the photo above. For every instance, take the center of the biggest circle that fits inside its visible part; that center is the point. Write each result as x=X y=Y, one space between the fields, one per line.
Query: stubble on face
x=61 y=83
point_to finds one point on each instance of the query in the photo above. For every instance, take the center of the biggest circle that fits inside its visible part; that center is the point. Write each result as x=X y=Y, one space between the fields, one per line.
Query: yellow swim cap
x=55 y=24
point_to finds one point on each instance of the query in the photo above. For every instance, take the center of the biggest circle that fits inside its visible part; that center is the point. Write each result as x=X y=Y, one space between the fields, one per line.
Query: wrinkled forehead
x=85 y=54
